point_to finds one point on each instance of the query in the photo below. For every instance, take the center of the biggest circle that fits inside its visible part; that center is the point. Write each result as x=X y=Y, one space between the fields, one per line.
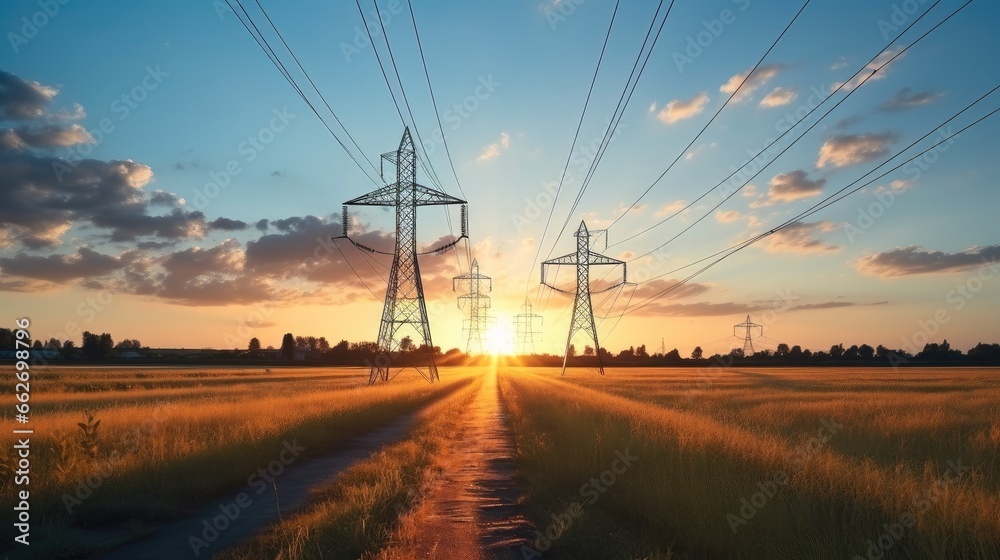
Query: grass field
x=640 y=463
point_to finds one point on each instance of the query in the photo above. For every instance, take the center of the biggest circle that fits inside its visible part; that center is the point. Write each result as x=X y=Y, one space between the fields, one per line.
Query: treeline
x=92 y=345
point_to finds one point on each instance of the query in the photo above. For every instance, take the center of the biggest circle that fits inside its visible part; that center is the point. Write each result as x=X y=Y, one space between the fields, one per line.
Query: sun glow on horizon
x=499 y=341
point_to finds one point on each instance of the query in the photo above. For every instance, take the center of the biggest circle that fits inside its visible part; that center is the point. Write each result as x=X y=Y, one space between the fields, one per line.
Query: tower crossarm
x=382 y=196
x=426 y=196
x=565 y=259
x=597 y=258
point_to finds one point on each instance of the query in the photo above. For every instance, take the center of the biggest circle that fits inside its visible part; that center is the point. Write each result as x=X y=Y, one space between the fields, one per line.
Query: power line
x=711 y=120
x=276 y=61
x=806 y=116
x=832 y=198
x=576 y=136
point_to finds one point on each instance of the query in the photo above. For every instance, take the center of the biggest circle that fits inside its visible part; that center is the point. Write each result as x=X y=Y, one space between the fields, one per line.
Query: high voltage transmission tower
x=583 y=311
x=478 y=305
x=404 y=298
x=524 y=329
x=747 y=340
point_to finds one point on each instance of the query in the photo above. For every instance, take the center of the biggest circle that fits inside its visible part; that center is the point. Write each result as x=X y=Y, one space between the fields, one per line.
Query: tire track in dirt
x=471 y=511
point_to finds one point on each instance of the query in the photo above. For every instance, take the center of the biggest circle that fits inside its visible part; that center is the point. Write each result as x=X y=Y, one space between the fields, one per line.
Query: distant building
x=131 y=355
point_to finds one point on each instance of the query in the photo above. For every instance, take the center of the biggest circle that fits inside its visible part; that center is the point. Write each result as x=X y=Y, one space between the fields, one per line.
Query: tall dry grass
x=699 y=461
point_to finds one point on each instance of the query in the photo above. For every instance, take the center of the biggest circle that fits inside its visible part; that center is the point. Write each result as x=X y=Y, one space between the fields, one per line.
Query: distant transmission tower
x=663 y=346
x=404 y=298
x=478 y=305
x=525 y=331
x=747 y=340
x=583 y=311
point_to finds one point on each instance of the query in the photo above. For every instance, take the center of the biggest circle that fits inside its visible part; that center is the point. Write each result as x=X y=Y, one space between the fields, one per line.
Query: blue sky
x=532 y=63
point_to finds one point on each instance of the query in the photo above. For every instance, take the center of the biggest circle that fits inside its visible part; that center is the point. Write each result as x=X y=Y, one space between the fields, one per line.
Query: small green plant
x=90 y=440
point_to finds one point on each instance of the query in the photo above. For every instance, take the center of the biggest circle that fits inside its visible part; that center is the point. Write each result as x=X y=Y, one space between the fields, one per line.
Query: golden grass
x=164 y=453
x=700 y=456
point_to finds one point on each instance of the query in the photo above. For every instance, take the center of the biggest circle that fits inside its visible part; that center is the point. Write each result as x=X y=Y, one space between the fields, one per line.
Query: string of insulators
x=465 y=220
x=343 y=220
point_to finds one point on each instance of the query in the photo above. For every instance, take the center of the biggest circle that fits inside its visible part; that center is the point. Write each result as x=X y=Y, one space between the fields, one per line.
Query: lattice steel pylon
x=747 y=340
x=583 y=311
x=524 y=329
x=478 y=305
x=404 y=298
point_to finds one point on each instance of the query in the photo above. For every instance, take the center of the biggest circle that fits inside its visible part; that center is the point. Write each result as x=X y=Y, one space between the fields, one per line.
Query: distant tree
x=866 y=352
x=672 y=356
x=322 y=344
x=782 y=350
x=697 y=353
x=765 y=353
x=852 y=353
x=807 y=353
x=270 y=347
x=288 y=347
x=837 y=350
x=91 y=345
x=300 y=341
x=795 y=352
x=107 y=345
x=882 y=352
x=53 y=343
x=37 y=345
x=406 y=344
x=7 y=339
x=254 y=345
x=571 y=351
x=736 y=353
x=128 y=344
x=588 y=350
x=342 y=347
x=68 y=346
x=640 y=352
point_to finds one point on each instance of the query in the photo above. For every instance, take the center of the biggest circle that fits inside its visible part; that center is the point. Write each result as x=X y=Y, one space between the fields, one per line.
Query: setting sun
x=499 y=341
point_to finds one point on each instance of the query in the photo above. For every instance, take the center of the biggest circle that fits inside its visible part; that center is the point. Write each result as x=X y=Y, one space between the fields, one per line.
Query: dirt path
x=471 y=511
x=173 y=540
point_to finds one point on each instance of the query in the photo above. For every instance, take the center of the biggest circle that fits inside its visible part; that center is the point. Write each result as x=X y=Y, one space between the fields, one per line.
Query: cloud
x=798 y=237
x=841 y=63
x=871 y=71
x=493 y=151
x=44 y=136
x=164 y=198
x=905 y=100
x=225 y=224
x=652 y=107
x=727 y=217
x=761 y=76
x=59 y=269
x=778 y=97
x=691 y=155
x=903 y=261
x=653 y=288
x=679 y=109
x=670 y=208
x=841 y=151
x=23 y=100
x=42 y=196
x=789 y=187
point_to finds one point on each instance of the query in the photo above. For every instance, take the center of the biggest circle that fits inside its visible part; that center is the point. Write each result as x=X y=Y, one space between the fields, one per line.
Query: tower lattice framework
x=477 y=303
x=748 y=326
x=405 y=305
x=524 y=329
x=583 y=311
